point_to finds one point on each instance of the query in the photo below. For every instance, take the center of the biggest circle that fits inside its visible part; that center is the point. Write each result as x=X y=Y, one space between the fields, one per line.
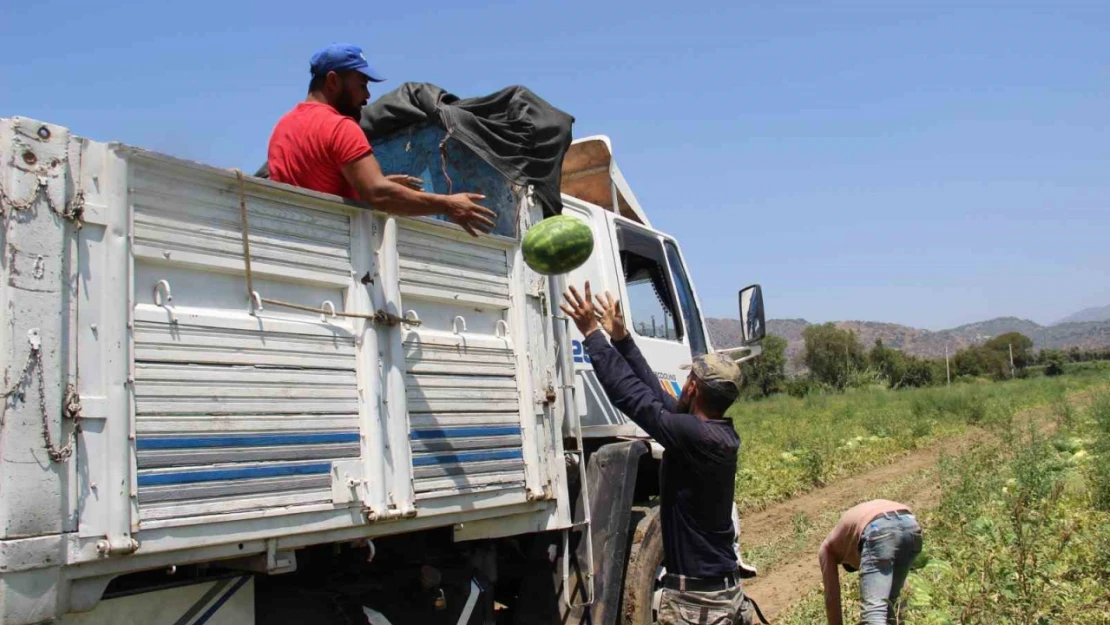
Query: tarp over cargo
x=514 y=130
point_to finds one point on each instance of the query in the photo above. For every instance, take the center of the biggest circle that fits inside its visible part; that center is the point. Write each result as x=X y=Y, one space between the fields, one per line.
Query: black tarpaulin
x=514 y=130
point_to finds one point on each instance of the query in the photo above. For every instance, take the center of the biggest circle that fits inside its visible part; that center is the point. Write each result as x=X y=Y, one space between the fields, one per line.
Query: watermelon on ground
x=557 y=245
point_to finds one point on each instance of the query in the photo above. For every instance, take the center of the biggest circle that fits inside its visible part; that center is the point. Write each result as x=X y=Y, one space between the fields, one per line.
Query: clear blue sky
x=929 y=166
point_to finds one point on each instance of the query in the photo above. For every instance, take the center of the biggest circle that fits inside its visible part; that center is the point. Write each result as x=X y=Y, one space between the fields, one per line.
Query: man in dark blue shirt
x=699 y=460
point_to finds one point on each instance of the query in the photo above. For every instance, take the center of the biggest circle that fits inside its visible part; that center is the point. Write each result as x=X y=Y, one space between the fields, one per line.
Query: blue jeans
x=890 y=544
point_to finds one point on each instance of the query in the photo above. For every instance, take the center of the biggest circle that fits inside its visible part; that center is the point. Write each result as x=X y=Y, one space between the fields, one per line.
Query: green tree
x=832 y=354
x=1053 y=361
x=890 y=363
x=766 y=374
x=921 y=372
x=1022 y=345
x=993 y=357
x=977 y=360
x=901 y=370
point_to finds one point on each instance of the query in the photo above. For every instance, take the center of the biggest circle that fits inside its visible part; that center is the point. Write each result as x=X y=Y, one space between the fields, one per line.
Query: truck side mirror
x=751 y=314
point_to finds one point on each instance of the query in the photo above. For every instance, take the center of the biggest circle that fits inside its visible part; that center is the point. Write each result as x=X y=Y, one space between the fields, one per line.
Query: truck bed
x=214 y=424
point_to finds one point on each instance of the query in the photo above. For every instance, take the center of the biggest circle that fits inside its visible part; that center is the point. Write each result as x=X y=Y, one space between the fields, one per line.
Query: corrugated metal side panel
x=199 y=344
x=462 y=390
x=183 y=220
x=465 y=429
x=236 y=413
x=230 y=438
x=441 y=267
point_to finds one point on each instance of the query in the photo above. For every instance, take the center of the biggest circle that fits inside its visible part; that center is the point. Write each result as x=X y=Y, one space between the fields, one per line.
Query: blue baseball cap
x=340 y=57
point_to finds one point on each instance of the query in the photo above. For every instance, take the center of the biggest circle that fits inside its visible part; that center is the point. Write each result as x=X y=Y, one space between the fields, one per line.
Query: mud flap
x=612 y=473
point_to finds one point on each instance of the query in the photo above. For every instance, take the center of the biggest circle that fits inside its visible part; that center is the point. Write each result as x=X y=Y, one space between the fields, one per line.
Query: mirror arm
x=742 y=354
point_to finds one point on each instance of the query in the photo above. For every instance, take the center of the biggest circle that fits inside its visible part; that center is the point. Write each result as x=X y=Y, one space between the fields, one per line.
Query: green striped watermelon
x=557 y=245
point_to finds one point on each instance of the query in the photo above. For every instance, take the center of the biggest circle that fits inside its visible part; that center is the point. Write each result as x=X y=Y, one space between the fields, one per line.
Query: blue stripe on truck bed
x=467 y=432
x=475 y=456
x=244 y=473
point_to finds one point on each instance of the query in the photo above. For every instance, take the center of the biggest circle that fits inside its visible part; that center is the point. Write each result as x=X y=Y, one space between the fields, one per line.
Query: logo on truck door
x=666 y=380
x=579 y=353
x=671 y=387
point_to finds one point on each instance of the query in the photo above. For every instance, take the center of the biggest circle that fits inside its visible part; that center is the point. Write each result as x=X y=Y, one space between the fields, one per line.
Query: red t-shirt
x=310 y=146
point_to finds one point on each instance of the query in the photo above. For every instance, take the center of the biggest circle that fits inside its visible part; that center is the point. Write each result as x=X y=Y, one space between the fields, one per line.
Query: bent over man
x=880 y=539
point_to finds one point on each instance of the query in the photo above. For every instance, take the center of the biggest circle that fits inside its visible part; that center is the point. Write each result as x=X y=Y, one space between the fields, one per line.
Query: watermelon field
x=1011 y=483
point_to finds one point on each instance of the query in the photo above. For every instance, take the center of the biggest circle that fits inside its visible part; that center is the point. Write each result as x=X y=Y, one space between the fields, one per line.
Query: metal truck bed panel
x=213 y=417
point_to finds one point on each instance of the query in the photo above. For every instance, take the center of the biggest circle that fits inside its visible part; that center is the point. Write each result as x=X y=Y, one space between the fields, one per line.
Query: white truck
x=228 y=400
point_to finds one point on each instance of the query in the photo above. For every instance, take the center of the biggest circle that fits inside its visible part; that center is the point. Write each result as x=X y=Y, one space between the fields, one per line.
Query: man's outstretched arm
x=830 y=578
x=376 y=189
x=628 y=392
x=612 y=320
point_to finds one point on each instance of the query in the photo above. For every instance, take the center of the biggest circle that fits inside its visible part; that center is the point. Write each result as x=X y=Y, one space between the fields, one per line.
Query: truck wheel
x=644 y=573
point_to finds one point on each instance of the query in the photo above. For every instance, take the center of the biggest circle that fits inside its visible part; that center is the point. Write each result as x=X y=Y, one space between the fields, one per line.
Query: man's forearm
x=832 y=604
x=628 y=350
x=376 y=189
x=830 y=578
x=627 y=392
x=398 y=199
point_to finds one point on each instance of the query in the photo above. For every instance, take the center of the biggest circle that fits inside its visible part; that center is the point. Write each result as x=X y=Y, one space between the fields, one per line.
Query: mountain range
x=1098 y=313
x=1085 y=329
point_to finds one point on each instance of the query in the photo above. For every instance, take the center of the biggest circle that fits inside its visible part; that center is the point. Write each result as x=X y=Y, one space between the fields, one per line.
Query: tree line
x=837 y=360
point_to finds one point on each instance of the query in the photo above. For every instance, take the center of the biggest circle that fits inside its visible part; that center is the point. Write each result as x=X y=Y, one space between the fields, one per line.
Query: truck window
x=650 y=307
x=686 y=301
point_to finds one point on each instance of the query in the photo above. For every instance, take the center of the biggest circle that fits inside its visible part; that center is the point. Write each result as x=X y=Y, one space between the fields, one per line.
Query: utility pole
x=1011 y=345
x=947 y=369
x=847 y=365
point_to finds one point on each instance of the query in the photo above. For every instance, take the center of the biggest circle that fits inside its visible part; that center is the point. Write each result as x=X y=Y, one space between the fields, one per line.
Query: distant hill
x=1098 y=313
x=726 y=333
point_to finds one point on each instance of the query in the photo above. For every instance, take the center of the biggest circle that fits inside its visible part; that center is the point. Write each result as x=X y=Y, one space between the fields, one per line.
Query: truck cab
x=639 y=265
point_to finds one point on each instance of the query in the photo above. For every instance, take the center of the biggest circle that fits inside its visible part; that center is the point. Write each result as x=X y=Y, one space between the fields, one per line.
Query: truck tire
x=645 y=567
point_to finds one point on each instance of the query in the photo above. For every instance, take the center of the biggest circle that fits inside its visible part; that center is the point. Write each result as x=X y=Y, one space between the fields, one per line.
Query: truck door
x=687 y=301
x=652 y=304
x=644 y=269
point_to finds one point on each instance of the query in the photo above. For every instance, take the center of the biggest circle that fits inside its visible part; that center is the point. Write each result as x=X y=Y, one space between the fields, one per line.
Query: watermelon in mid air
x=557 y=245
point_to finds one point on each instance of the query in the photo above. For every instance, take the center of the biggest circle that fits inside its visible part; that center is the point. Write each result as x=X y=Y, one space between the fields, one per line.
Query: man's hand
x=581 y=310
x=412 y=182
x=464 y=210
x=612 y=316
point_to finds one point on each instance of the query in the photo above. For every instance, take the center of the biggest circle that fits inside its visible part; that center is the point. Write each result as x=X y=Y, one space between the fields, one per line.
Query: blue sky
x=930 y=166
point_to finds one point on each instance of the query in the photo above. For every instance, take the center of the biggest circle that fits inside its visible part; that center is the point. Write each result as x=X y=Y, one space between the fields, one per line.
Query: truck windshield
x=686 y=299
x=651 y=306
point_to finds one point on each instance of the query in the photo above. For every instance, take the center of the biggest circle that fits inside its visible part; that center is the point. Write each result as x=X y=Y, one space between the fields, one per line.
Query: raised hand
x=581 y=310
x=612 y=316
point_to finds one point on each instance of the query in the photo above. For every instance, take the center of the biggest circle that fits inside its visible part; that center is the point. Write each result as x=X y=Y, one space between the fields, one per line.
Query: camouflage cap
x=718 y=372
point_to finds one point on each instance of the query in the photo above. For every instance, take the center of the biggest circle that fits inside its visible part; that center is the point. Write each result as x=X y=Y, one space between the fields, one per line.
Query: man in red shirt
x=320 y=146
